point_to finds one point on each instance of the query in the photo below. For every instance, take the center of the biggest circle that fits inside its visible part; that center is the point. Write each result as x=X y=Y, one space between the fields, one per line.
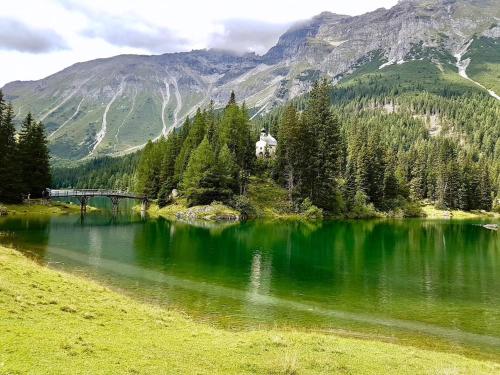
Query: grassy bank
x=55 y=323
x=265 y=198
x=53 y=208
x=180 y=210
x=431 y=212
x=268 y=200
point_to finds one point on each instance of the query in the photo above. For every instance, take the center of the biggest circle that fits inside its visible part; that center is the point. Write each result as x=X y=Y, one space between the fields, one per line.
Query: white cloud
x=16 y=36
x=94 y=28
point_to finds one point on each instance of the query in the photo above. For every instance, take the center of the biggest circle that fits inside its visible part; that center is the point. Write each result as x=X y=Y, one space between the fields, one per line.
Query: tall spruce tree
x=290 y=161
x=198 y=180
x=34 y=158
x=10 y=186
x=325 y=151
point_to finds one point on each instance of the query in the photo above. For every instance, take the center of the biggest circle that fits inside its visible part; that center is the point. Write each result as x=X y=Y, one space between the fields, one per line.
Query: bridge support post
x=83 y=203
x=114 y=202
x=144 y=204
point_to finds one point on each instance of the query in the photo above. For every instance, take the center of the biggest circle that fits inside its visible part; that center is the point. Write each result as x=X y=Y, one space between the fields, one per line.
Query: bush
x=242 y=204
x=496 y=207
x=310 y=211
x=164 y=197
x=412 y=209
x=362 y=209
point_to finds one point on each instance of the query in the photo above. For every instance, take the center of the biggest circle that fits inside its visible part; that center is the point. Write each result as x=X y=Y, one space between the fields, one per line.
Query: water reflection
x=26 y=233
x=413 y=274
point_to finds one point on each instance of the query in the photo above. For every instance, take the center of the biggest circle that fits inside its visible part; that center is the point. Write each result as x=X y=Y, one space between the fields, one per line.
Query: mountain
x=113 y=106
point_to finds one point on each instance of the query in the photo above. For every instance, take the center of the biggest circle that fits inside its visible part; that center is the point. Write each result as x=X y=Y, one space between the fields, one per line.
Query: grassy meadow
x=56 y=323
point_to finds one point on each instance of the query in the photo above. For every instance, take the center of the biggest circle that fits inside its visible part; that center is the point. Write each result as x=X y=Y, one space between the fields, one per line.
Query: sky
x=41 y=37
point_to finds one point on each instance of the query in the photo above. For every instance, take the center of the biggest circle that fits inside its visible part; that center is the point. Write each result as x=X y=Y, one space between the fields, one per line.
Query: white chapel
x=266 y=145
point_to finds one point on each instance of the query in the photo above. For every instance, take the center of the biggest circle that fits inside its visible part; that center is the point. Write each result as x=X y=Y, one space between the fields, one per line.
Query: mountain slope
x=113 y=106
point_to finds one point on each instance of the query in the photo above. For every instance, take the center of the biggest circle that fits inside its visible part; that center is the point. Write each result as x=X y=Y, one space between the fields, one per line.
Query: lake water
x=429 y=283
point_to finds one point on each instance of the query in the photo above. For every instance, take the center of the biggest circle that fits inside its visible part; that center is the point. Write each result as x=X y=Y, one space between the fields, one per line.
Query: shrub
x=362 y=209
x=496 y=207
x=412 y=209
x=242 y=204
x=310 y=211
x=164 y=197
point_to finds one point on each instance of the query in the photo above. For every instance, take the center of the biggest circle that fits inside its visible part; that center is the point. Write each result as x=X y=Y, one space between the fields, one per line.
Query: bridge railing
x=68 y=193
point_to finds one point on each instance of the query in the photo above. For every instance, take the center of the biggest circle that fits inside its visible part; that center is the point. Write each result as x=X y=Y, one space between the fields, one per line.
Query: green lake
x=430 y=283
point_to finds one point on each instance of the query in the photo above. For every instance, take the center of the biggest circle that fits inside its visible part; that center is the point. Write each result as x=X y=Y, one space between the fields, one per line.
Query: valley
x=284 y=196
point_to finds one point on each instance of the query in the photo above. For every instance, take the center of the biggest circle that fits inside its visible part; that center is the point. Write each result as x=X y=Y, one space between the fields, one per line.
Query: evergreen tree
x=198 y=181
x=325 y=148
x=351 y=188
x=290 y=162
x=34 y=159
x=391 y=189
x=10 y=187
x=148 y=170
x=195 y=133
x=227 y=171
x=485 y=190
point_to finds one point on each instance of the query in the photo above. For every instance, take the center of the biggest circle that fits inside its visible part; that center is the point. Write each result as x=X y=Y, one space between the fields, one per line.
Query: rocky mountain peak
x=114 y=105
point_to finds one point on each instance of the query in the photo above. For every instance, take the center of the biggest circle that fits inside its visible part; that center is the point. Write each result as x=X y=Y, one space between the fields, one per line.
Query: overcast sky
x=41 y=37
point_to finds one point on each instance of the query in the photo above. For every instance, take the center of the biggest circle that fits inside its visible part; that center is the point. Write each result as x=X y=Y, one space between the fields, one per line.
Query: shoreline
x=180 y=212
x=73 y=320
x=218 y=213
x=51 y=208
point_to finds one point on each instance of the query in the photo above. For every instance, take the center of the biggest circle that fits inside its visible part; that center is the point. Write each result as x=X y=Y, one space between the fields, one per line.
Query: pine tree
x=232 y=99
x=485 y=189
x=324 y=152
x=198 y=181
x=350 y=188
x=148 y=171
x=235 y=132
x=167 y=170
x=10 y=187
x=195 y=133
x=34 y=159
x=391 y=189
x=289 y=157
x=226 y=171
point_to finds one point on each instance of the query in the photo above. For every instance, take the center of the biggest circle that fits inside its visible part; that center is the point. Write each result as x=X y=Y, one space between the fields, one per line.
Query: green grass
x=179 y=209
x=431 y=212
x=270 y=200
x=56 y=323
x=485 y=62
x=54 y=208
x=412 y=76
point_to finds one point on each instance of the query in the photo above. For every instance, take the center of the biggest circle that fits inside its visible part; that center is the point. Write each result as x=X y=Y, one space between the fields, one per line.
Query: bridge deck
x=68 y=193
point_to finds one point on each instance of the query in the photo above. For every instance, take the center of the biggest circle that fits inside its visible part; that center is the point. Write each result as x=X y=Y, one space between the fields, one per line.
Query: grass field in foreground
x=56 y=323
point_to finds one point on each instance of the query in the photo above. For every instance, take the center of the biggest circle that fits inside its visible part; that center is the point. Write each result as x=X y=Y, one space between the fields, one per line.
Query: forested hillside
x=349 y=152
x=99 y=173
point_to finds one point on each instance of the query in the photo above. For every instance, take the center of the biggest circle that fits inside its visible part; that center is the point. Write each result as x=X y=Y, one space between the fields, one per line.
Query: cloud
x=16 y=36
x=124 y=33
x=243 y=35
x=126 y=30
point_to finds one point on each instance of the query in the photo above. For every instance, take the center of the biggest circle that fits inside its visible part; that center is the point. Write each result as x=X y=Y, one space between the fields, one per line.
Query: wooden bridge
x=84 y=195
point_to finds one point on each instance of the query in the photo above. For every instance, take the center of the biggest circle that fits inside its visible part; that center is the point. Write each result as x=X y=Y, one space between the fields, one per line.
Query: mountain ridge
x=113 y=105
